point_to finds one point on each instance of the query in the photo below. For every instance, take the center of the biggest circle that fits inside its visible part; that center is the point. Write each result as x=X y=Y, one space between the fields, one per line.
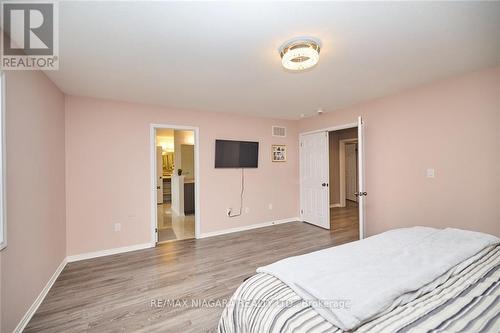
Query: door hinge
x=156 y=230
x=301 y=211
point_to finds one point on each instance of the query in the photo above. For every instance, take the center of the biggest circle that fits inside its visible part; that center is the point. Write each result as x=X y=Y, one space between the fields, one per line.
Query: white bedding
x=373 y=273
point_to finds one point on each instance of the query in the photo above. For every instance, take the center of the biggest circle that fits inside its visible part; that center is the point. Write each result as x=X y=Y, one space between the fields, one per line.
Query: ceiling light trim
x=300 y=53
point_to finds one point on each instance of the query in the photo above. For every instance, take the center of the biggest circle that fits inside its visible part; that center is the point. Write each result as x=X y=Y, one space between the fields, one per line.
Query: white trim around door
x=153 y=199
x=330 y=129
x=361 y=177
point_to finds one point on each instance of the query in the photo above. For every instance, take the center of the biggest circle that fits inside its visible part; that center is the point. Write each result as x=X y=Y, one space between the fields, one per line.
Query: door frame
x=330 y=129
x=361 y=221
x=342 y=183
x=154 y=205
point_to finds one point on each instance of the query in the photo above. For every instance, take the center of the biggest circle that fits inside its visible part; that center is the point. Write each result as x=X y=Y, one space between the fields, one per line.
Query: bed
x=453 y=286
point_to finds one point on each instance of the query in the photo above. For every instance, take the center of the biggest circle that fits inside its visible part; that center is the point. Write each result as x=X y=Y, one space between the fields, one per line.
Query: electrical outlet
x=247 y=210
x=118 y=227
x=270 y=206
x=228 y=211
x=430 y=173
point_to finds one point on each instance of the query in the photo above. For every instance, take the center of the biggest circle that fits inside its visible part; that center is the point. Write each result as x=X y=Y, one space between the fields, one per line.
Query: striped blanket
x=468 y=301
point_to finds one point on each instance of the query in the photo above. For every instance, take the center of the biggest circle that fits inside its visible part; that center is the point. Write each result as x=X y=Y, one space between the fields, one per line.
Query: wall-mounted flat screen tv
x=236 y=154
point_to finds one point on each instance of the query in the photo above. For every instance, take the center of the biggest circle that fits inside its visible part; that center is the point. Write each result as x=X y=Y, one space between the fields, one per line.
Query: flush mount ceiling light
x=299 y=54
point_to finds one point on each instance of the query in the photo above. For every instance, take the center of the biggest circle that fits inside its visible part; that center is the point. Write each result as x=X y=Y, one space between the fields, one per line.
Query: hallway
x=345 y=220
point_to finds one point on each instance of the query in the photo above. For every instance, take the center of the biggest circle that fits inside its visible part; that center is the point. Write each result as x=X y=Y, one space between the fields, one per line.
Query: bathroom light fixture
x=300 y=53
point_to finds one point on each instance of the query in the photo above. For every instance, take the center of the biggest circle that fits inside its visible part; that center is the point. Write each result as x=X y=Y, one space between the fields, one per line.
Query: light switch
x=430 y=173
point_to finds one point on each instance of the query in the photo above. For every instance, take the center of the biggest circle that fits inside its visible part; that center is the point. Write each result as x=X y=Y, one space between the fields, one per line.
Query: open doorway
x=321 y=183
x=175 y=177
x=344 y=174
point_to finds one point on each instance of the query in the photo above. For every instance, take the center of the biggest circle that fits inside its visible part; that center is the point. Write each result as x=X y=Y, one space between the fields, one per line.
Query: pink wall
x=36 y=229
x=108 y=171
x=452 y=126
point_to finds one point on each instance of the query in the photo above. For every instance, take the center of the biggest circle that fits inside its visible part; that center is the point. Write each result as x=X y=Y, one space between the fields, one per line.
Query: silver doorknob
x=324 y=184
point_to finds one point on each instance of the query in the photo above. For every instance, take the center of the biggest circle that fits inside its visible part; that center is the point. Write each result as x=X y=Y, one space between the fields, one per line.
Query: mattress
x=468 y=301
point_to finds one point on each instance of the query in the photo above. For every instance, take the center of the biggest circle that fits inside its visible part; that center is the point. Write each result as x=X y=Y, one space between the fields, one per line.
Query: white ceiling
x=223 y=56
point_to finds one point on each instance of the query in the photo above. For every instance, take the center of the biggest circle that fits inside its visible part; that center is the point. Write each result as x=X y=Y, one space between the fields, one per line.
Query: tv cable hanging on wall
x=229 y=213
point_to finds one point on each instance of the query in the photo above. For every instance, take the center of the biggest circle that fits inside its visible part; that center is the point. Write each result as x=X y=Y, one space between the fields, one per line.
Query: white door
x=350 y=172
x=314 y=178
x=361 y=179
x=159 y=174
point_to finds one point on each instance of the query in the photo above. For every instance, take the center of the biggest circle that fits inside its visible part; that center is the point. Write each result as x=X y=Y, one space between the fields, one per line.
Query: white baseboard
x=247 y=227
x=31 y=311
x=96 y=254
x=335 y=205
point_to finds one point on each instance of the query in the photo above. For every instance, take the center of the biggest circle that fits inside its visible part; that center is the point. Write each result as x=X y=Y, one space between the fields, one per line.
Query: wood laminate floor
x=345 y=220
x=115 y=293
